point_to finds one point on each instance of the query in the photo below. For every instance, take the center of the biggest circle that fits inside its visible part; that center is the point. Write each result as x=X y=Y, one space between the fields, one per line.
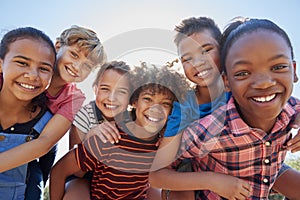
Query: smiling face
x=73 y=64
x=112 y=93
x=152 y=110
x=260 y=75
x=199 y=54
x=27 y=69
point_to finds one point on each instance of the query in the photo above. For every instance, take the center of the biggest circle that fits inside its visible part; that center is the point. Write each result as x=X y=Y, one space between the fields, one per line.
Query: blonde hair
x=87 y=40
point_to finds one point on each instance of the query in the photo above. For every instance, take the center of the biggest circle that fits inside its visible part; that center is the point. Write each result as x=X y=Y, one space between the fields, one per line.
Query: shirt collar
x=239 y=127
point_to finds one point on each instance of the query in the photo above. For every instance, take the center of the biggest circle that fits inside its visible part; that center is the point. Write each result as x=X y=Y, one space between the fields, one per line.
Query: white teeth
x=203 y=73
x=153 y=119
x=110 y=106
x=31 y=87
x=70 y=72
x=265 y=99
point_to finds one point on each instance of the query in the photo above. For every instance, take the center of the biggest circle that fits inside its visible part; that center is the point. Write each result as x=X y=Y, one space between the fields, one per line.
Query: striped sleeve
x=85 y=118
x=85 y=161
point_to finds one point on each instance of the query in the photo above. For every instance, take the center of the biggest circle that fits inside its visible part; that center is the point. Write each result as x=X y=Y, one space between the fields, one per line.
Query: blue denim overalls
x=13 y=181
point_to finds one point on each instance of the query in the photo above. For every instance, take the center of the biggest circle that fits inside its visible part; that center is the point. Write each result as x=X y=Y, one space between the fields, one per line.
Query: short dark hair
x=193 y=25
x=238 y=29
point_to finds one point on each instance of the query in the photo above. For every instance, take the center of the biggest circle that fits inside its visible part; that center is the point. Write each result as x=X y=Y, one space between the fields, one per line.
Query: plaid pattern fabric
x=223 y=142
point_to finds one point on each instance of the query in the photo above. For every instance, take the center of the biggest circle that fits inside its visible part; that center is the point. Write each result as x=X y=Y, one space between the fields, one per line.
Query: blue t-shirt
x=188 y=111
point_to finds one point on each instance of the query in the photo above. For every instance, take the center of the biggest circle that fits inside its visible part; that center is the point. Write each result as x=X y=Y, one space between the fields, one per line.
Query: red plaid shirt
x=224 y=143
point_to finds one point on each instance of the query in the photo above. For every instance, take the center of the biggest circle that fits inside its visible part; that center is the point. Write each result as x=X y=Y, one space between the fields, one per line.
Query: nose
x=76 y=66
x=32 y=74
x=263 y=81
x=156 y=108
x=198 y=60
x=111 y=96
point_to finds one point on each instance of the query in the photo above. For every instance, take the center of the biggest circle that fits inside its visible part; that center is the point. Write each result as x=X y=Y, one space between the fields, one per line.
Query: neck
x=13 y=111
x=140 y=132
x=56 y=85
x=209 y=93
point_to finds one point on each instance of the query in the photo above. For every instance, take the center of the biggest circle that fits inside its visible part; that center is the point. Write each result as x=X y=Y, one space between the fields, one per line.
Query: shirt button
x=12 y=128
x=265 y=180
x=267 y=161
x=267 y=144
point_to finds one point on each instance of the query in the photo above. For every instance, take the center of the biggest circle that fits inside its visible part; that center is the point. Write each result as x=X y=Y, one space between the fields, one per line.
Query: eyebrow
x=25 y=58
x=152 y=94
x=200 y=47
x=107 y=85
x=278 y=56
x=244 y=62
x=147 y=93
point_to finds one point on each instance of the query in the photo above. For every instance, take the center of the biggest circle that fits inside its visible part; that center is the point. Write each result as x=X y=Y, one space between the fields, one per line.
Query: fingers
x=107 y=132
x=294 y=144
x=296 y=123
x=243 y=192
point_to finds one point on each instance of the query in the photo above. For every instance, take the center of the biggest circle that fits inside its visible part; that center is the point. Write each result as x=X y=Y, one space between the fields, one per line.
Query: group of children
x=148 y=134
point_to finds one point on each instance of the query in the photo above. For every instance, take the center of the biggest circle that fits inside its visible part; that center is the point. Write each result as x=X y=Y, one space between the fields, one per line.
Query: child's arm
x=53 y=131
x=65 y=167
x=290 y=190
x=224 y=185
x=76 y=136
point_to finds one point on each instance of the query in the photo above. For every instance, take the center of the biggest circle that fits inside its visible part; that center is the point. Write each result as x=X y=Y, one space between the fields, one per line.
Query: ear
x=226 y=83
x=57 y=46
x=295 y=72
x=95 y=89
x=133 y=105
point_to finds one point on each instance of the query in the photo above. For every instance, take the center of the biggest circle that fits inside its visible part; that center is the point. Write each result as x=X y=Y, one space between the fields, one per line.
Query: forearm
x=166 y=153
x=23 y=154
x=53 y=131
x=181 y=181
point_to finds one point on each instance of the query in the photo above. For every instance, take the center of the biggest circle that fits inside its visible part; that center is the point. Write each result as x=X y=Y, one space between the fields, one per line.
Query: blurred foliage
x=46 y=193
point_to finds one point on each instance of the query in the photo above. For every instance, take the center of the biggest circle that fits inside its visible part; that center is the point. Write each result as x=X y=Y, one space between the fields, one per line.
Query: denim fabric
x=13 y=181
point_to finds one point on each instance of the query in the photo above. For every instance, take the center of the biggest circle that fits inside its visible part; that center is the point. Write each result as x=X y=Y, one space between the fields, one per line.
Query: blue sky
x=117 y=22
x=124 y=26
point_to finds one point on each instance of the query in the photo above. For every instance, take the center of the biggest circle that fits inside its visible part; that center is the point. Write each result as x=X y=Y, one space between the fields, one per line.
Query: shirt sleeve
x=183 y=114
x=82 y=120
x=85 y=161
x=68 y=102
x=173 y=122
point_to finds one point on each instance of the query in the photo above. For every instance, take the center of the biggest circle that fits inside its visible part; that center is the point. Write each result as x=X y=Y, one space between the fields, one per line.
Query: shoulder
x=87 y=109
x=211 y=123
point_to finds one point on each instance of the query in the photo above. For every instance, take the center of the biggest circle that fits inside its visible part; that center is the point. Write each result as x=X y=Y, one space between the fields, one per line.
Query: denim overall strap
x=12 y=182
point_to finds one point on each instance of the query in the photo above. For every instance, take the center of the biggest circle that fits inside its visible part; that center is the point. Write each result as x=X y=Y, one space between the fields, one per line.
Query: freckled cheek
x=47 y=79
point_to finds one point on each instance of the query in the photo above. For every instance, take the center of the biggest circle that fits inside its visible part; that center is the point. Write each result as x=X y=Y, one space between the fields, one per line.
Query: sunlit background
x=140 y=30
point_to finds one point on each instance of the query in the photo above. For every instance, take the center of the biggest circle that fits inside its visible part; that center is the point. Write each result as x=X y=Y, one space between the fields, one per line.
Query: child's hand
x=294 y=144
x=107 y=131
x=231 y=187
